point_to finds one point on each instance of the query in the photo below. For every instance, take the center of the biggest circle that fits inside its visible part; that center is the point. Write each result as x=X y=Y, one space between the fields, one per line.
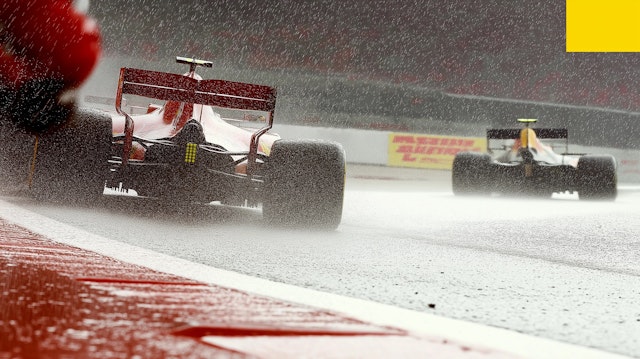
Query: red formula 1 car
x=528 y=166
x=201 y=141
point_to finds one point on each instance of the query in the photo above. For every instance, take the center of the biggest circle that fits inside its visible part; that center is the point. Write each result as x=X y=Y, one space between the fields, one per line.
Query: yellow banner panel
x=429 y=151
x=603 y=26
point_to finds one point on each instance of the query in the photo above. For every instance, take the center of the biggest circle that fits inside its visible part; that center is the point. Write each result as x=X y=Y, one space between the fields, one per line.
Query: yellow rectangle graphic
x=429 y=151
x=602 y=26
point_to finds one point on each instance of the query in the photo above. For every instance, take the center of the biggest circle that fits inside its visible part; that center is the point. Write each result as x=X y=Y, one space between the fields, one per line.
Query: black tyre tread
x=469 y=174
x=597 y=178
x=72 y=160
x=304 y=184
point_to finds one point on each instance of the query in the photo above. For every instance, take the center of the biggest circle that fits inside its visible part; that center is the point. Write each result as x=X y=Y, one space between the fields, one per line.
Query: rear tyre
x=470 y=173
x=304 y=184
x=71 y=162
x=597 y=178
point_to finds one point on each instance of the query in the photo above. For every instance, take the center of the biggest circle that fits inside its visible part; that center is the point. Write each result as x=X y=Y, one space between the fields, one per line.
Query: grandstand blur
x=399 y=58
x=513 y=49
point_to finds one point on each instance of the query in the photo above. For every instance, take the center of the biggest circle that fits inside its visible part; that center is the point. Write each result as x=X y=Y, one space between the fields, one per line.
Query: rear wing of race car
x=174 y=87
x=514 y=133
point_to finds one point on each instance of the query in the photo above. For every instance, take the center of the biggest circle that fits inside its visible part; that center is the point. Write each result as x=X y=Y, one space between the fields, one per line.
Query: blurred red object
x=46 y=39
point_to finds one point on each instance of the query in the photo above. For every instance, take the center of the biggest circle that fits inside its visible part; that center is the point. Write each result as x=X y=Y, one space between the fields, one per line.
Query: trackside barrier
x=378 y=148
x=361 y=146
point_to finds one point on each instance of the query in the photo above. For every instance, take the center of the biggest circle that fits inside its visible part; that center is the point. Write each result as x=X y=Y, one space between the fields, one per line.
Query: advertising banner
x=429 y=151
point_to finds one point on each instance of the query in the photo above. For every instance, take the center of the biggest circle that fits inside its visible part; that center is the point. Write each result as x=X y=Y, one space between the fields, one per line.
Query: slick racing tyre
x=597 y=178
x=71 y=161
x=470 y=173
x=304 y=184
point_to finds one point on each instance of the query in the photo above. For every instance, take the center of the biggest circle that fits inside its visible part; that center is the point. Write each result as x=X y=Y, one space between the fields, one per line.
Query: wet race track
x=557 y=268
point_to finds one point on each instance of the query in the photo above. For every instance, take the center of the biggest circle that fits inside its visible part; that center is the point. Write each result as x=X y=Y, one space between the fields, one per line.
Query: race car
x=182 y=149
x=528 y=166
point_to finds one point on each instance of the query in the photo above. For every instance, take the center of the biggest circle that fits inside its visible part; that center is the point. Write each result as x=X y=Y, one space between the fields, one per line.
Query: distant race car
x=181 y=149
x=528 y=166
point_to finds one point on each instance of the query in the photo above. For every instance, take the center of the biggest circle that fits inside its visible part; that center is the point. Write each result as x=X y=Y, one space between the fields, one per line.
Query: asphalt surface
x=62 y=301
x=555 y=268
